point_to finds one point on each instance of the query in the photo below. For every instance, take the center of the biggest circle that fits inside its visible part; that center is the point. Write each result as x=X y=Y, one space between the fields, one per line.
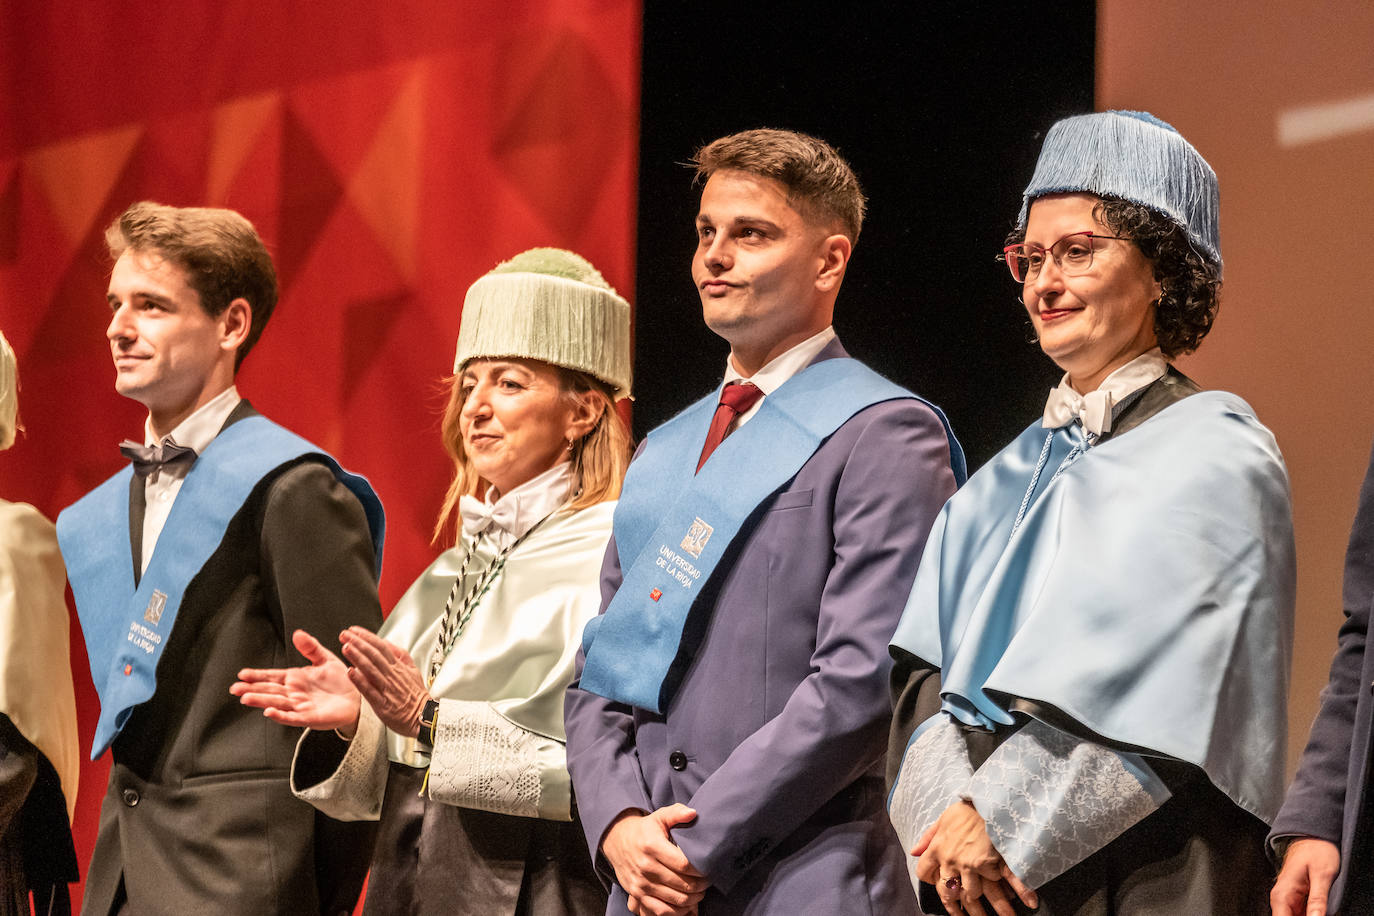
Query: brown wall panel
x=1280 y=99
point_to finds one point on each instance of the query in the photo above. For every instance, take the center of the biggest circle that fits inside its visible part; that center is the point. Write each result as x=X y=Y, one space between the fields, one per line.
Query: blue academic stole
x=127 y=627
x=673 y=525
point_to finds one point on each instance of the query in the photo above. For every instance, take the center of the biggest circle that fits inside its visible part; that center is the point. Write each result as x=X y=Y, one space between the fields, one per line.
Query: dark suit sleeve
x=318 y=566
x=601 y=745
x=1316 y=801
x=318 y=570
x=833 y=728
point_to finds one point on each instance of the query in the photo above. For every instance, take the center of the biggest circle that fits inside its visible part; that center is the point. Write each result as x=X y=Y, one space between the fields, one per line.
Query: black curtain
x=940 y=108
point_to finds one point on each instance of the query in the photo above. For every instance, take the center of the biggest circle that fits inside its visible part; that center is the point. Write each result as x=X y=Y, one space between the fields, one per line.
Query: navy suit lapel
x=242 y=411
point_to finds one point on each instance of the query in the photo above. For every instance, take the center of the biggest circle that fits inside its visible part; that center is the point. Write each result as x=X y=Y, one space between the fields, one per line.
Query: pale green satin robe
x=500 y=741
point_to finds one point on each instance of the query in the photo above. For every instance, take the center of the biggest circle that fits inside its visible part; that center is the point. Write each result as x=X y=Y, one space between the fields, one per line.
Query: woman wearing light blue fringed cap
x=448 y=726
x=1091 y=672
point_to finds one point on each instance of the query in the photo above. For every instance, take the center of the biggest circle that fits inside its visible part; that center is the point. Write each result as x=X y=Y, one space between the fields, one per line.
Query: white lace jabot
x=1094 y=409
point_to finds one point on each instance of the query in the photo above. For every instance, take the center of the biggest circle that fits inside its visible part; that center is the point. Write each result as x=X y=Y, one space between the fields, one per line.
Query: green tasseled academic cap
x=551 y=305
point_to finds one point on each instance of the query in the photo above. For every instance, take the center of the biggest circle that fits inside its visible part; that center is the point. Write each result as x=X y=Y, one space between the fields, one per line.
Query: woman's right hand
x=318 y=695
x=957 y=857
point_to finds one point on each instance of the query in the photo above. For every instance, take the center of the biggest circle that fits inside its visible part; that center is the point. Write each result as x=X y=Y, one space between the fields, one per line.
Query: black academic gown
x=36 y=853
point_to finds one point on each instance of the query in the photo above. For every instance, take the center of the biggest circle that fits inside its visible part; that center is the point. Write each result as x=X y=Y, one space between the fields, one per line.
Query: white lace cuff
x=483 y=760
x=354 y=791
x=1051 y=800
x=935 y=774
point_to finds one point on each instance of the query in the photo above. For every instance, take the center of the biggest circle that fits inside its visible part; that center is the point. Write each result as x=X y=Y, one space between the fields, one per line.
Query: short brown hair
x=221 y=252
x=599 y=459
x=818 y=180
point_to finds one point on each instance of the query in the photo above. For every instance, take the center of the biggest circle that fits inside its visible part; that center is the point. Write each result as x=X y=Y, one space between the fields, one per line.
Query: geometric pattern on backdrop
x=388 y=156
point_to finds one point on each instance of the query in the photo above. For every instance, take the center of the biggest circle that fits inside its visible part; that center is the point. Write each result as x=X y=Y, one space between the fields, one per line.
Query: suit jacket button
x=677 y=760
x=130 y=797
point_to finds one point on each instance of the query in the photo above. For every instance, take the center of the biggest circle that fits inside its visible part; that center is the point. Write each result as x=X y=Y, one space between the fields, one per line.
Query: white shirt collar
x=782 y=367
x=779 y=369
x=1094 y=409
x=512 y=514
x=199 y=429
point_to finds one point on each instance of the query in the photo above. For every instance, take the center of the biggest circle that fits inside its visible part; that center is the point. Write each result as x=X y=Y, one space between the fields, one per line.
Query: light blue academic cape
x=1147 y=592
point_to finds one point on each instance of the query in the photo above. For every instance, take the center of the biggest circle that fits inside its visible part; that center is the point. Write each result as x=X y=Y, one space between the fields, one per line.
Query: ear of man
x=835 y=252
x=234 y=325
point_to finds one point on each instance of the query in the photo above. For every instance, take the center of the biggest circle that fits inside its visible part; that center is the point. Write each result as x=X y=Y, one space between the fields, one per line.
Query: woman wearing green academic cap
x=1091 y=671
x=448 y=723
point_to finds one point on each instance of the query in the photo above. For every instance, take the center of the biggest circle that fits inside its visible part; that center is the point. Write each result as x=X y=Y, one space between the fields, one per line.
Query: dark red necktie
x=735 y=398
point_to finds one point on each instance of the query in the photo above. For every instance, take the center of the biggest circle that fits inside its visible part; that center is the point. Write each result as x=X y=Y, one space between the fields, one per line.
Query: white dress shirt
x=160 y=488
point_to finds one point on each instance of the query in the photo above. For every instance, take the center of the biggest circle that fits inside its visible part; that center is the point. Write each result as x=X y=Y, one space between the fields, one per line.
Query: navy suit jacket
x=1328 y=797
x=777 y=732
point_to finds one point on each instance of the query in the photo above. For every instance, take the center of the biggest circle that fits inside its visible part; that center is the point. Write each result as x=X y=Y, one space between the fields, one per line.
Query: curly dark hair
x=1190 y=283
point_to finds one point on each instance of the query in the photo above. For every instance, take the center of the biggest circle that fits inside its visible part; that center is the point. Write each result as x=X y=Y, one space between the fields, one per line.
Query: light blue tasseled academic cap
x=1137 y=157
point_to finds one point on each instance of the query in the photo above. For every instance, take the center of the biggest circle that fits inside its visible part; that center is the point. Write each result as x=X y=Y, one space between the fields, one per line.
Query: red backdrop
x=389 y=155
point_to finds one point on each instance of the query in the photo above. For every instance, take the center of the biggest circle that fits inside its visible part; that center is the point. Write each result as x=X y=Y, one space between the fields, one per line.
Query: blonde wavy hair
x=9 y=395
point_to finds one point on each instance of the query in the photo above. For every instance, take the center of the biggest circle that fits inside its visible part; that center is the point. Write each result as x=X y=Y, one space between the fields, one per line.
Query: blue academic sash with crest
x=126 y=627
x=673 y=524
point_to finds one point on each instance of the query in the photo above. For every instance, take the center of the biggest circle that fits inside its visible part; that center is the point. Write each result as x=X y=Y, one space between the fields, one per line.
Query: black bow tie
x=148 y=459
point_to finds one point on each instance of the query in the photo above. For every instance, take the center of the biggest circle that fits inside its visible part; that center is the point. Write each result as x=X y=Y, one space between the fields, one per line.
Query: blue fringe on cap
x=1135 y=156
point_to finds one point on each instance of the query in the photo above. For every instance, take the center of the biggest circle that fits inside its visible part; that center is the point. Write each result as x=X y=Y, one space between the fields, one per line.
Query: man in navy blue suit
x=737 y=763
x=1322 y=832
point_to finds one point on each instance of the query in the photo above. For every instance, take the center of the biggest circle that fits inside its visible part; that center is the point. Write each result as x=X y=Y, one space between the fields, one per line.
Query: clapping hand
x=318 y=695
x=386 y=676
